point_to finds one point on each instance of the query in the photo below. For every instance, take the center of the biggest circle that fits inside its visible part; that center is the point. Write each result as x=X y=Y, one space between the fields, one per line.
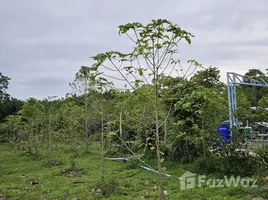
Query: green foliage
x=155 y=45
x=262 y=154
x=89 y=79
x=254 y=94
x=256 y=74
x=197 y=113
x=208 y=165
x=4 y=82
x=71 y=118
x=32 y=114
x=32 y=110
x=209 y=78
x=232 y=163
x=9 y=106
x=11 y=129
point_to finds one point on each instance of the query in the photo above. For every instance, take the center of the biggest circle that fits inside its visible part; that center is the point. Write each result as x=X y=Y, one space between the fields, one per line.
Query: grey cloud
x=43 y=86
x=43 y=43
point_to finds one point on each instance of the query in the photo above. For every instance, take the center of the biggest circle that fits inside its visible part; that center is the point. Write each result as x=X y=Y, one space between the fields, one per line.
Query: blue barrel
x=224 y=132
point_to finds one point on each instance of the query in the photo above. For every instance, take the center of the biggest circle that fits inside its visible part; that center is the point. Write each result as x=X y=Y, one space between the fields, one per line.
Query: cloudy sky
x=43 y=43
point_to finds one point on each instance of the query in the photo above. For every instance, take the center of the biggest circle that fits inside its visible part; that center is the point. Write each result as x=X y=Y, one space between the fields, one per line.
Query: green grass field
x=68 y=175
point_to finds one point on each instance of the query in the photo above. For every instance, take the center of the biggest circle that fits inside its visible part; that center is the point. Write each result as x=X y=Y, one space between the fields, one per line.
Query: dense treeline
x=195 y=107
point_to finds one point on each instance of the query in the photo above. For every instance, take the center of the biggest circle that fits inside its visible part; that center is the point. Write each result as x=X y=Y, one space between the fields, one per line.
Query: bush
x=237 y=165
x=207 y=165
x=262 y=155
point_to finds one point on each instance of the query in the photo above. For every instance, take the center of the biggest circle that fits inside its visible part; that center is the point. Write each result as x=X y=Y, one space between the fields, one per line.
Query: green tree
x=70 y=116
x=4 y=82
x=255 y=93
x=98 y=99
x=135 y=118
x=32 y=114
x=88 y=79
x=209 y=78
x=197 y=115
x=51 y=105
x=11 y=129
x=153 y=55
x=243 y=111
x=256 y=73
x=260 y=115
x=9 y=106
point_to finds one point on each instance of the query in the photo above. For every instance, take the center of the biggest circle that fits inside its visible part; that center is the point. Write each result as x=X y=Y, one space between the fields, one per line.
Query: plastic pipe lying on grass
x=150 y=169
x=144 y=167
x=124 y=159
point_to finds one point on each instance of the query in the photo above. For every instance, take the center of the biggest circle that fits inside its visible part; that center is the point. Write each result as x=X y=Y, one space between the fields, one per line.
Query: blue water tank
x=224 y=132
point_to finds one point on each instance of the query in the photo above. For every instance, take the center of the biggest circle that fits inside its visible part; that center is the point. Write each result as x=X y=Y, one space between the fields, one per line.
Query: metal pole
x=229 y=99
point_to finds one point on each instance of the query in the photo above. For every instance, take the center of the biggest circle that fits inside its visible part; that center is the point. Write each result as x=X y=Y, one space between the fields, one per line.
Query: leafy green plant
x=155 y=45
x=32 y=114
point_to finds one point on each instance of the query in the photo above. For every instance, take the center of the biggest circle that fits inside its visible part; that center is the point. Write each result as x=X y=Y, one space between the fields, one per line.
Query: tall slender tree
x=152 y=57
x=4 y=82
x=33 y=112
x=85 y=81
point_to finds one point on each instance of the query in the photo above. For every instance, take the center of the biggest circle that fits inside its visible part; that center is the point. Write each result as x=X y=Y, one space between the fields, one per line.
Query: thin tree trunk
x=158 y=154
x=34 y=138
x=102 y=147
x=31 y=137
x=86 y=117
x=36 y=142
x=120 y=128
x=165 y=132
x=86 y=127
x=157 y=141
x=50 y=134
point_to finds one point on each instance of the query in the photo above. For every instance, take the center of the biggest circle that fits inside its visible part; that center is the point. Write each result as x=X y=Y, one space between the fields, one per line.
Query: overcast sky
x=43 y=43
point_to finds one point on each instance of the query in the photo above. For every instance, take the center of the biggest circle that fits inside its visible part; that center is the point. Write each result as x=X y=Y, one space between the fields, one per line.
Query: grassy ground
x=68 y=175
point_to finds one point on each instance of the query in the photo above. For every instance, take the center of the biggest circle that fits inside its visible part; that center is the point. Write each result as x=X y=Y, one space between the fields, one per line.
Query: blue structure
x=234 y=79
x=224 y=132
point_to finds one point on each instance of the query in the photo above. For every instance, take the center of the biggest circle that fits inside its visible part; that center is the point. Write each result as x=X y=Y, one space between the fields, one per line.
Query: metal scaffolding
x=234 y=79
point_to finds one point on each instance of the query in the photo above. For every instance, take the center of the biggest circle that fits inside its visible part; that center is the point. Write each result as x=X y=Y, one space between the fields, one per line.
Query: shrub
x=237 y=165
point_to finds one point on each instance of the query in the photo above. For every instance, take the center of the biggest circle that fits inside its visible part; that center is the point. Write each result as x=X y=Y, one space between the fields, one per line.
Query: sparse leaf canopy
x=158 y=34
x=154 y=45
x=91 y=78
x=156 y=29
